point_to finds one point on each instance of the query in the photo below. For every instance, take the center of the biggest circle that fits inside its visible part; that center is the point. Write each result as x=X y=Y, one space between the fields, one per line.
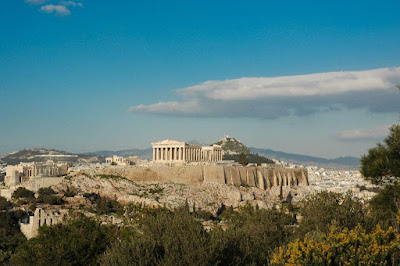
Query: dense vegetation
x=383 y=161
x=10 y=235
x=244 y=159
x=329 y=227
x=77 y=243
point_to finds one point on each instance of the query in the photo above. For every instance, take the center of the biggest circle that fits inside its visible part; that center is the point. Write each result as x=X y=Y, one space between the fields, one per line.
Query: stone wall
x=260 y=177
x=35 y=183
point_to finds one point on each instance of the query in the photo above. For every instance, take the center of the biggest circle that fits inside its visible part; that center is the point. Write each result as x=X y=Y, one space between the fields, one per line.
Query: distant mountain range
x=347 y=162
x=42 y=155
x=145 y=154
x=234 y=146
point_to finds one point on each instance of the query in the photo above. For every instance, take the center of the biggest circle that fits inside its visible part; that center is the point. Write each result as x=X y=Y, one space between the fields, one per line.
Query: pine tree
x=242 y=159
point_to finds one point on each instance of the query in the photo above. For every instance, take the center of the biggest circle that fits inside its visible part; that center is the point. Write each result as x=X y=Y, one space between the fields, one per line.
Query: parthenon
x=176 y=151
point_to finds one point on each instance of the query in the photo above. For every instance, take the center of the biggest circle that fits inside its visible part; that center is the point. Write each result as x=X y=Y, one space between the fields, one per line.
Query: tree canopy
x=383 y=160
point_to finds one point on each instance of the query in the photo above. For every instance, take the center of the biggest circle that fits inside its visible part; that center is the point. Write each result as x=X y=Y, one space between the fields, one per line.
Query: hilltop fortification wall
x=261 y=177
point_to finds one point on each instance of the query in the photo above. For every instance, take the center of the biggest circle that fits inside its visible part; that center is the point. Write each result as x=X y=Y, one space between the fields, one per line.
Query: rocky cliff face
x=259 y=177
x=208 y=196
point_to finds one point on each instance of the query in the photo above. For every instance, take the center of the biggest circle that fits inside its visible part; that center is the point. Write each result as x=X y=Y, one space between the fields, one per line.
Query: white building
x=181 y=152
x=125 y=161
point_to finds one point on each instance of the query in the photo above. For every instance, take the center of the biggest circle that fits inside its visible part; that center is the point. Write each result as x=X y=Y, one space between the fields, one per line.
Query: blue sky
x=92 y=75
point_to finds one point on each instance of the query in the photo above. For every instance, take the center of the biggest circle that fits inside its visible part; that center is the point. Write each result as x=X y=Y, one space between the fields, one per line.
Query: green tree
x=321 y=210
x=242 y=159
x=383 y=160
x=22 y=192
x=4 y=204
x=10 y=235
x=48 y=196
x=164 y=238
x=385 y=205
x=79 y=242
x=250 y=237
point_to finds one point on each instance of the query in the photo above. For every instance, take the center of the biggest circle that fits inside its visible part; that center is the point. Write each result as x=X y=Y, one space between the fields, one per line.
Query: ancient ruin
x=176 y=151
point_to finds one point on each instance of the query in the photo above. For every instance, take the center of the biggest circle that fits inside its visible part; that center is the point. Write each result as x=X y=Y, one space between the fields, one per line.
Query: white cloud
x=71 y=3
x=56 y=9
x=36 y=2
x=281 y=96
x=359 y=134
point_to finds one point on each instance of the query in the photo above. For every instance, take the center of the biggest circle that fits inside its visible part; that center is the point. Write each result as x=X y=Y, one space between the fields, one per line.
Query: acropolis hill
x=185 y=163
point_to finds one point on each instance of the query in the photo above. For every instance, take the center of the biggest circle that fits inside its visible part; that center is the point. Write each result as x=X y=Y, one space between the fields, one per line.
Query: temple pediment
x=169 y=142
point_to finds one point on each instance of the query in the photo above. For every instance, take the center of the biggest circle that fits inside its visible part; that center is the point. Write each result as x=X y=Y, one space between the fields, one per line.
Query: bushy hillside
x=232 y=146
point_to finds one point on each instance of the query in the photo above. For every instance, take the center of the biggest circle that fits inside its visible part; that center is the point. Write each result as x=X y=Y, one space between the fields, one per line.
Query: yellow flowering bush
x=344 y=247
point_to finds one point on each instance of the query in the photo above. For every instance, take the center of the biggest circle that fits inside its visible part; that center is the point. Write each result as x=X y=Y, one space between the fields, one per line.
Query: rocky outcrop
x=260 y=177
x=232 y=146
x=208 y=196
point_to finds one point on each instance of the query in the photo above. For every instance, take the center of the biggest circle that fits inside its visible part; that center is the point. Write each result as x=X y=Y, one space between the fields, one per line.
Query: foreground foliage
x=342 y=247
x=320 y=211
x=333 y=229
x=384 y=207
x=77 y=243
x=10 y=235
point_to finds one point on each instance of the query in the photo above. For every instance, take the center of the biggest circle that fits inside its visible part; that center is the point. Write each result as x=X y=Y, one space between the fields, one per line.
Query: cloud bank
x=362 y=134
x=56 y=9
x=275 y=97
x=36 y=2
x=71 y=3
x=61 y=9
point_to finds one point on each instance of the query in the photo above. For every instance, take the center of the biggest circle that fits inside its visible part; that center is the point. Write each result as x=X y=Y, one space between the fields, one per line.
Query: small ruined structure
x=182 y=152
x=122 y=161
x=49 y=216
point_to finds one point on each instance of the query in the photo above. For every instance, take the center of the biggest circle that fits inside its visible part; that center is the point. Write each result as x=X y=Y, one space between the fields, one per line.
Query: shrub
x=79 y=242
x=4 y=204
x=251 y=236
x=104 y=205
x=342 y=247
x=47 y=196
x=385 y=205
x=10 y=235
x=321 y=210
x=166 y=238
x=22 y=192
x=45 y=191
